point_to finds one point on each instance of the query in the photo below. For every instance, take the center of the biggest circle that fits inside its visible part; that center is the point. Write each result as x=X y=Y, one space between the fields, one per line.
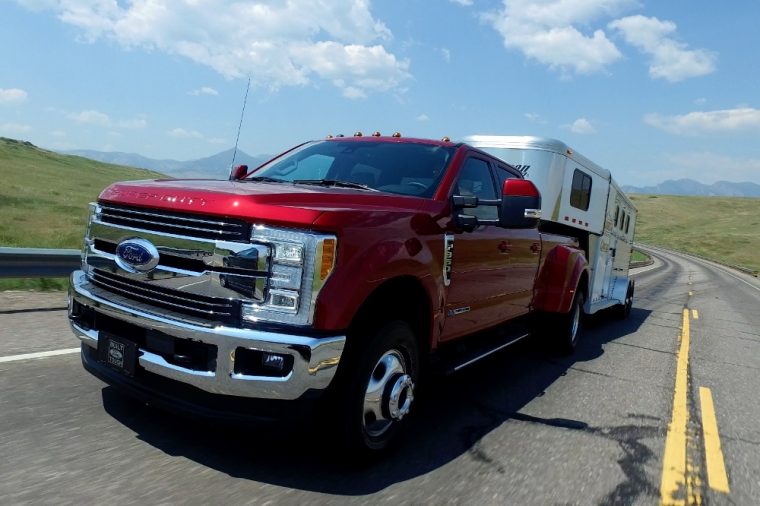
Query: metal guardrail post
x=38 y=262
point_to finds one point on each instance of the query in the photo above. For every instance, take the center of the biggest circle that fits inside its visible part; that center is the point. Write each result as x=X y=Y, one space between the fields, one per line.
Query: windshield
x=403 y=168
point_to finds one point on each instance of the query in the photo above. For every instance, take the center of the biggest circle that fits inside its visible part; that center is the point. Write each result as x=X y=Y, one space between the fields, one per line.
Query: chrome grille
x=169 y=222
x=226 y=311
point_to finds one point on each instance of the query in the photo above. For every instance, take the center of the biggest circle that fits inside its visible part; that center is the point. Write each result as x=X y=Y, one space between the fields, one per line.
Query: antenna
x=240 y=126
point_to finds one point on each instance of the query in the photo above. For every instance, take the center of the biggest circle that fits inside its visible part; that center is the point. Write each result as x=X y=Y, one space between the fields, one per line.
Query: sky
x=651 y=90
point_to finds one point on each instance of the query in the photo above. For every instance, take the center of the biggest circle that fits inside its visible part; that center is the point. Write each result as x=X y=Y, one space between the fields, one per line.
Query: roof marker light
x=396 y=134
x=357 y=134
x=376 y=134
x=446 y=138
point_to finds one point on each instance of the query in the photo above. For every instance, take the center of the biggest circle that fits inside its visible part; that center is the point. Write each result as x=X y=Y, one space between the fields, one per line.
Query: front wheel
x=376 y=391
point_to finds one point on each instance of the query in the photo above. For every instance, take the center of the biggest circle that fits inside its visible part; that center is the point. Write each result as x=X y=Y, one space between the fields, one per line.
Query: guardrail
x=38 y=262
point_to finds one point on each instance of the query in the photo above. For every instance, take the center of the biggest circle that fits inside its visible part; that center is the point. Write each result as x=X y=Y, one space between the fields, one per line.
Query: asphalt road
x=523 y=427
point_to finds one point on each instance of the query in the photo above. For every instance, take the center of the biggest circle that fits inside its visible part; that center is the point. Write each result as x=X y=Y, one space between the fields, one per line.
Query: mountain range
x=695 y=188
x=212 y=167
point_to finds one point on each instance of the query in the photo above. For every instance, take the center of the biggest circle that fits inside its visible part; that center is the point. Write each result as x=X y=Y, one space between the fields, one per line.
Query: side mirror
x=238 y=172
x=520 y=204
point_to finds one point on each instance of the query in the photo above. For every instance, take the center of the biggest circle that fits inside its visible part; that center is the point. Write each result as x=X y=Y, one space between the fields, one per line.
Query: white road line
x=41 y=354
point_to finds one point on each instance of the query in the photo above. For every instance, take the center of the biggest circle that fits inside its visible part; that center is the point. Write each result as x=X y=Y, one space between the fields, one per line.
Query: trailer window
x=580 y=193
x=627 y=222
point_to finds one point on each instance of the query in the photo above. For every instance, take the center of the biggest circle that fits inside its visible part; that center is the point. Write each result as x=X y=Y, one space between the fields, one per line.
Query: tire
x=376 y=389
x=623 y=311
x=568 y=326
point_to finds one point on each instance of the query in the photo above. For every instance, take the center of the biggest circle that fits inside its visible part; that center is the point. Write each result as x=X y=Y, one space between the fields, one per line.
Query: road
x=523 y=427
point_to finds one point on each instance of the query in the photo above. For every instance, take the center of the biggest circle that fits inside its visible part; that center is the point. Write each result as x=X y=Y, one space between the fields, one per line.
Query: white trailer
x=581 y=199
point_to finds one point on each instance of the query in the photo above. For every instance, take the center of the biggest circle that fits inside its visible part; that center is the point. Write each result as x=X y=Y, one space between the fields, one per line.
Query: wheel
x=376 y=391
x=624 y=310
x=568 y=326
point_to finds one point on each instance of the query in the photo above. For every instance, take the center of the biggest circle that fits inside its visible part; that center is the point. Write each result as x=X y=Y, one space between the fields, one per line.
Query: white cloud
x=203 y=90
x=14 y=128
x=546 y=31
x=183 y=133
x=91 y=117
x=277 y=43
x=582 y=126
x=423 y=117
x=701 y=122
x=12 y=96
x=463 y=3
x=670 y=59
x=534 y=117
x=101 y=119
x=133 y=124
x=446 y=54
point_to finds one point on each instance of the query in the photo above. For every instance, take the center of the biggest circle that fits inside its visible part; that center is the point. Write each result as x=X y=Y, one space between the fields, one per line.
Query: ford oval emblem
x=136 y=255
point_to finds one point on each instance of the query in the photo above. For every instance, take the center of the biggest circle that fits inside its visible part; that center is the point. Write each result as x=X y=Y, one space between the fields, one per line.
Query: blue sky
x=650 y=90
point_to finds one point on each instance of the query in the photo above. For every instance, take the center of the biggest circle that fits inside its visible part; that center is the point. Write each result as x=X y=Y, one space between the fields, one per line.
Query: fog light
x=283 y=300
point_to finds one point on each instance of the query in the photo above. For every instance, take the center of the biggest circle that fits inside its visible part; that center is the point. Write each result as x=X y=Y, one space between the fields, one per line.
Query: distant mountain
x=213 y=167
x=695 y=188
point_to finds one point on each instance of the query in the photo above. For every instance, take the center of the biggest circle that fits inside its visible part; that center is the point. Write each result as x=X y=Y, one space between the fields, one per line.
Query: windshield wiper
x=264 y=179
x=335 y=182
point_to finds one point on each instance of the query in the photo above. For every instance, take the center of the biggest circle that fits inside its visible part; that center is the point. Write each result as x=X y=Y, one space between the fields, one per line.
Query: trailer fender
x=562 y=273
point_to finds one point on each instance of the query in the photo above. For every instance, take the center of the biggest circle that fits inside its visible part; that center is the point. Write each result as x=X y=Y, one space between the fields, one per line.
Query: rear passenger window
x=580 y=193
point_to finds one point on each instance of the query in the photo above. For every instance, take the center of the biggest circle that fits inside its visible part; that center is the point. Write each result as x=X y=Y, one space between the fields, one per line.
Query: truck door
x=489 y=281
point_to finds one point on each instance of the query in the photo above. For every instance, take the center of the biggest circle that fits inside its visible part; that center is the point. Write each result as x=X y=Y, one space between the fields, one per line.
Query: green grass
x=44 y=197
x=639 y=256
x=726 y=229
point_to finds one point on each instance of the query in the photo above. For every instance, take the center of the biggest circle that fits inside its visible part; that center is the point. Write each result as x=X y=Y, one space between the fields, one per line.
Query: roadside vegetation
x=726 y=229
x=44 y=197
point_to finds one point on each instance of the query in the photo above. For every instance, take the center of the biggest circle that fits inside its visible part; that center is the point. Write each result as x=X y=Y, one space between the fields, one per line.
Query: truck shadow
x=449 y=422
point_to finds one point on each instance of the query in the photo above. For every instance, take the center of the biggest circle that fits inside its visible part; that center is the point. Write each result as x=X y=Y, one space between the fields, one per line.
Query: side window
x=580 y=193
x=627 y=222
x=502 y=174
x=475 y=180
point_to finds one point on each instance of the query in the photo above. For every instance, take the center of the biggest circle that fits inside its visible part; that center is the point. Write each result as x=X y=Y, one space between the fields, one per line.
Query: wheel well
x=402 y=298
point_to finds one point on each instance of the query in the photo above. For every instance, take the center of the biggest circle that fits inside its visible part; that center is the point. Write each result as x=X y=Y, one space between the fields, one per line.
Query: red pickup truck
x=334 y=272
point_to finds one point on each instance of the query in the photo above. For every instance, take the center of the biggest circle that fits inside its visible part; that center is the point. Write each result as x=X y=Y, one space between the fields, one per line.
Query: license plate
x=118 y=354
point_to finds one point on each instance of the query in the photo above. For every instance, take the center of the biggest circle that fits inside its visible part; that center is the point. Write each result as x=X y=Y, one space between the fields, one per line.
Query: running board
x=469 y=357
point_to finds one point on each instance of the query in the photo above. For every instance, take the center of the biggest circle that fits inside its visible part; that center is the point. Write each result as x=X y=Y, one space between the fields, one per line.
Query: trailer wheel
x=376 y=392
x=624 y=310
x=569 y=326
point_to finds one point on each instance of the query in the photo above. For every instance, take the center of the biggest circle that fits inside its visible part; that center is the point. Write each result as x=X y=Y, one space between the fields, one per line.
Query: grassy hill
x=44 y=197
x=726 y=229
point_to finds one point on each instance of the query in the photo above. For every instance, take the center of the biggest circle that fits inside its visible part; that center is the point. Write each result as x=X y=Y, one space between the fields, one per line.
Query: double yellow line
x=676 y=486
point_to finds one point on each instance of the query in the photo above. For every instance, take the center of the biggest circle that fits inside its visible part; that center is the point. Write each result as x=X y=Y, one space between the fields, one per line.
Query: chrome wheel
x=389 y=393
x=575 y=324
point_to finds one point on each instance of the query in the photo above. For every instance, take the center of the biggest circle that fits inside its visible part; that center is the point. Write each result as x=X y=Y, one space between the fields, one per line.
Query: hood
x=277 y=203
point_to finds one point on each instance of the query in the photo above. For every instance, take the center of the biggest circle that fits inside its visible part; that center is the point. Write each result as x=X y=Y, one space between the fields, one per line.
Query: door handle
x=504 y=247
x=535 y=248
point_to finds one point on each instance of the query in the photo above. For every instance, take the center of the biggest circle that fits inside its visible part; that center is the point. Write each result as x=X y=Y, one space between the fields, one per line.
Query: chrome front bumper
x=315 y=360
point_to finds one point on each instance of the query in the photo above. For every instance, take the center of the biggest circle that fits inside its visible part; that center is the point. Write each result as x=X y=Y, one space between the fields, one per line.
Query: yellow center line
x=695 y=314
x=673 y=483
x=716 y=468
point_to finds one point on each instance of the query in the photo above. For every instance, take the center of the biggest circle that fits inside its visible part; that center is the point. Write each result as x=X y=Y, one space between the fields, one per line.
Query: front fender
x=558 y=279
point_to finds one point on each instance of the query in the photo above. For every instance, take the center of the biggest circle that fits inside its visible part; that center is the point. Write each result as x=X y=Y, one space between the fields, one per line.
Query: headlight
x=301 y=262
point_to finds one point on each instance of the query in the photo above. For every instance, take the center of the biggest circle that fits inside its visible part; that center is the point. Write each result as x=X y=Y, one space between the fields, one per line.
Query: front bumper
x=314 y=360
